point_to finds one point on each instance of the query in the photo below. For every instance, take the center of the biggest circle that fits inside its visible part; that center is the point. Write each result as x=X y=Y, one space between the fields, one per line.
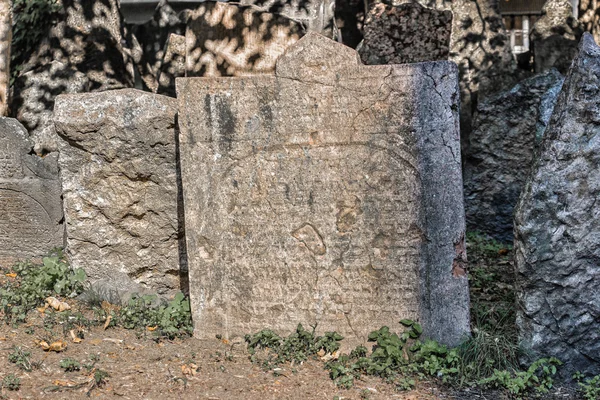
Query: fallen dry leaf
x=96 y=342
x=11 y=275
x=57 y=304
x=60 y=382
x=57 y=346
x=151 y=328
x=3 y=338
x=107 y=323
x=190 y=369
x=74 y=337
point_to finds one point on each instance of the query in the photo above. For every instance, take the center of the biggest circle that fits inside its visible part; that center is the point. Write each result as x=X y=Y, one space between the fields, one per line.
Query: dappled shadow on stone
x=87 y=50
x=226 y=40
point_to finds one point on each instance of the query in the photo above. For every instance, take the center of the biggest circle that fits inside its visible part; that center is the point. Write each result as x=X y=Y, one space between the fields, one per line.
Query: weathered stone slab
x=153 y=37
x=30 y=206
x=557 y=227
x=328 y=194
x=228 y=40
x=507 y=130
x=119 y=178
x=406 y=33
x=173 y=65
x=554 y=37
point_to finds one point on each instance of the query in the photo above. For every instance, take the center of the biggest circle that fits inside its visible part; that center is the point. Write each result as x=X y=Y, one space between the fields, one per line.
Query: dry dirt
x=142 y=368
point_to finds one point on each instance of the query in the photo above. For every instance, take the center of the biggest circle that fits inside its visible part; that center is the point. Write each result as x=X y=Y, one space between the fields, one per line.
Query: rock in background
x=30 y=207
x=87 y=50
x=589 y=17
x=406 y=33
x=481 y=49
x=555 y=36
x=227 y=40
x=120 y=186
x=506 y=131
x=557 y=227
x=172 y=66
x=153 y=37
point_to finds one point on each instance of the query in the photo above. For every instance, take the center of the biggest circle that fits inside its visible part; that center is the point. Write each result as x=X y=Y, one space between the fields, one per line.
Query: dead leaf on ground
x=74 y=337
x=11 y=275
x=57 y=304
x=3 y=339
x=190 y=369
x=57 y=346
x=107 y=323
x=152 y=328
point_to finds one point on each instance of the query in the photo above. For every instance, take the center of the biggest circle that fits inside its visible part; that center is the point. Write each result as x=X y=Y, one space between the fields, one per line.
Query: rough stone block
x=328 y=194
x=507 y=131
x=557 y=227
x=119 y=178
x=406 y=33
x=226 y=40
x=30 y=206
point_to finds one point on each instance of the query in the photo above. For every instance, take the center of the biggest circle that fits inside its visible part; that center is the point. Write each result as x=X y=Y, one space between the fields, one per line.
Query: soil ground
x=140 y=367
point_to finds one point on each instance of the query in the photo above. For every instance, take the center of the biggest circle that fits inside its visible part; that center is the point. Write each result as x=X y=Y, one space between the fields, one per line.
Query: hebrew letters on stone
x=329 y=193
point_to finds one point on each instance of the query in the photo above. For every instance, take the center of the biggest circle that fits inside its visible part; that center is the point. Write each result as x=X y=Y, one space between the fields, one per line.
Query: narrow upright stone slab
x=507 y=132
x=119 y=178
x=328 y=194
x=30 y=206
x=557 y=227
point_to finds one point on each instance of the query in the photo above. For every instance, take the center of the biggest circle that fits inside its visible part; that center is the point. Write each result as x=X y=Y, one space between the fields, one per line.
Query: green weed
x=589 y=388
x=11 y=382
x=35 y=282
x=70 y=365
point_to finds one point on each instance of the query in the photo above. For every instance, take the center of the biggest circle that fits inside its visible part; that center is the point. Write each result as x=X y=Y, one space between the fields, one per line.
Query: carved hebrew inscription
x=308 y=185
x=24 y=226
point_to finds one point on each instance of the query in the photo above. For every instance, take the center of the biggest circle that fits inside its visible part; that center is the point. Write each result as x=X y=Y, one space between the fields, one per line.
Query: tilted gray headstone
x=30 y=205
x=557 y=227
x=329 y=193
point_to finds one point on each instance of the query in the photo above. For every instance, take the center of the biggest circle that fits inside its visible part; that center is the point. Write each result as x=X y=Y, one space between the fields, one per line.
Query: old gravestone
x=508 y=128
x=328 y=194
x=405 y=33
x=30 y=207
x=557 y=227
x=120 y=189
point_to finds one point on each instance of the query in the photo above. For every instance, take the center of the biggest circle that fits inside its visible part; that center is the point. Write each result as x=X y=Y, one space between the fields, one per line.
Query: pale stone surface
x=314 y=15
x=120 y=189
x=228 y=40
x=30 y=206
x=328 y=194
x=153 y=37
x=554 y=37
x=173 y=65
x=405 y=33
x=557 y=227
x=507 y=130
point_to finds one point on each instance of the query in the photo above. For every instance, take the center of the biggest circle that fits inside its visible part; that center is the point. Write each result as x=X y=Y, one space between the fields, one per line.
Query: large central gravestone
x=30 y=207
x=328 y=194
